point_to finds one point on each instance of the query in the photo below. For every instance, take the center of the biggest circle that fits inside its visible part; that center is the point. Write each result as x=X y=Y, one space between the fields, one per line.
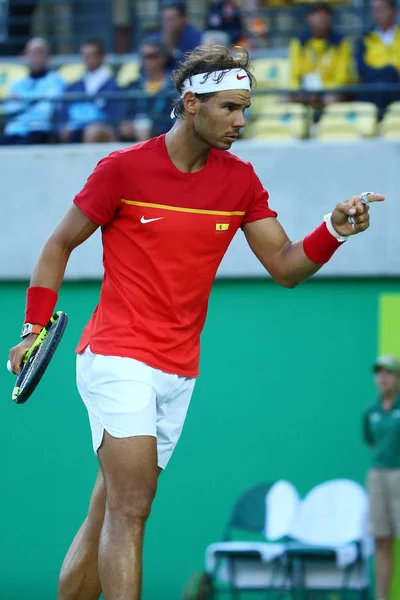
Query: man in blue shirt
x=149 y=115
x=178 y=35
x=29 y=107
x=93 y=119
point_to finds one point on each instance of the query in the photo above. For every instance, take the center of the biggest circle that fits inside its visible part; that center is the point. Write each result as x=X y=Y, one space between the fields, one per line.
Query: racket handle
x=9 y=365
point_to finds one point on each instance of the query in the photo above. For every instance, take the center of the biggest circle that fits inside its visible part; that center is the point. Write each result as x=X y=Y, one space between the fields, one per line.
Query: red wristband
x=320 y=245
x=40 y=304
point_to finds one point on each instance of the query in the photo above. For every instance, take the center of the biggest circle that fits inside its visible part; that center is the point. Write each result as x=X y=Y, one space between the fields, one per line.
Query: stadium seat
x=72 y=72
x=9 y=72
x=281 y=121
x=390 y=126
x=330 y=130
x=352 y=120
x=260 y=103
x=394 y=107
x=271 y=73
x=128 y=73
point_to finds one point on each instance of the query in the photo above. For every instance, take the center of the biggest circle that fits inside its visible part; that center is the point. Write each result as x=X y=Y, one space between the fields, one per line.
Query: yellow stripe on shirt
x=197 y=211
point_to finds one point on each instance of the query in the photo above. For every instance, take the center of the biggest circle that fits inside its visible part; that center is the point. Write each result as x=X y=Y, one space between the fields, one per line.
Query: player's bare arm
x=73 y=229
x=287 y=261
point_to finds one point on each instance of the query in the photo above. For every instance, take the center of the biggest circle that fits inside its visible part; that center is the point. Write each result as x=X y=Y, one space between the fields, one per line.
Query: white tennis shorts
x=126 y=398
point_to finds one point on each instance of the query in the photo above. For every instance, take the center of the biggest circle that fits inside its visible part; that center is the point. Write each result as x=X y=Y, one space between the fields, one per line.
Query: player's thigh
x=130 y=471
x=380 y=524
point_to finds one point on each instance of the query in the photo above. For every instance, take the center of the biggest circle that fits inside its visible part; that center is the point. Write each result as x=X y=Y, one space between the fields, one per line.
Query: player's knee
x=131 y=503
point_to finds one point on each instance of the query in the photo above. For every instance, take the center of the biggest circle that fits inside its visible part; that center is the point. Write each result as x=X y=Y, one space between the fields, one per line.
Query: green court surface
x=285 y=375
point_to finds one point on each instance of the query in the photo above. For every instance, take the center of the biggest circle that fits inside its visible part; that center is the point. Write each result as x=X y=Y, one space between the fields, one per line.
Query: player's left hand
x=353 y=207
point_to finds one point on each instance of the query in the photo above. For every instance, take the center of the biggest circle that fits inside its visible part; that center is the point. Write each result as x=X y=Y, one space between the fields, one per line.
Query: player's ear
x=191 y=103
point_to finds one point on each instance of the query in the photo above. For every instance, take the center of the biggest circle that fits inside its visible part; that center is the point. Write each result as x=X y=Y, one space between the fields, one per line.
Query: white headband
x=217 y=81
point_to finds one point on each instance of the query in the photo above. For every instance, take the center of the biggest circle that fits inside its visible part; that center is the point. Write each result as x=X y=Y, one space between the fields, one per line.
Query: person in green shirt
x=382 y=434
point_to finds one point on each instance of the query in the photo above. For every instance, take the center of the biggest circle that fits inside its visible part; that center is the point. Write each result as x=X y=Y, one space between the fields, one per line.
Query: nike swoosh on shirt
x=240 y=76
x=143 y=220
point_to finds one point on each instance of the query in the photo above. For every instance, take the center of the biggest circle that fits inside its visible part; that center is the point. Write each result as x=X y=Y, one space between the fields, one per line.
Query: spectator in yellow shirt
x=378 y=55
x=320 y=58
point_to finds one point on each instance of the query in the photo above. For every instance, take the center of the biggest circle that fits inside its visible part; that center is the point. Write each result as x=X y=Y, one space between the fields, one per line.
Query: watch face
x=26 y=329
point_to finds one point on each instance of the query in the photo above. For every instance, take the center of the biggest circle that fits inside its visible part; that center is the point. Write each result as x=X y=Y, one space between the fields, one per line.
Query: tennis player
x=168 y=209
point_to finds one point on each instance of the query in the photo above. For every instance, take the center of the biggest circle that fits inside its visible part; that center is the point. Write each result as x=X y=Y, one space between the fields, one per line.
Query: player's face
x=219 y=119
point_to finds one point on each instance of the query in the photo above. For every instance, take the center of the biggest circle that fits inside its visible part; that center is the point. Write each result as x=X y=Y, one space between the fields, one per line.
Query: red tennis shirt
x=164 y=234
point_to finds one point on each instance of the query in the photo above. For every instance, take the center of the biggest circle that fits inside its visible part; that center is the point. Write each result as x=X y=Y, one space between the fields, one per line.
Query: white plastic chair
x=255 y=565
x=282 y=506
x=329 y=536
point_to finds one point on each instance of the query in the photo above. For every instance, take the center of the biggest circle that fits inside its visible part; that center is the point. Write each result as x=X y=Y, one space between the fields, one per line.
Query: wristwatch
x=28 y=328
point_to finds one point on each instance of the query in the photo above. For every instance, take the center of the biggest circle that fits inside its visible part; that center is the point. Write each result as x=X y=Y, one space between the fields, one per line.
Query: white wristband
x=332 y=230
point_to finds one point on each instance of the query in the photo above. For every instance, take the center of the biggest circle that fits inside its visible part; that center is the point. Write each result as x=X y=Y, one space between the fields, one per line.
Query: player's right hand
x=18 y=352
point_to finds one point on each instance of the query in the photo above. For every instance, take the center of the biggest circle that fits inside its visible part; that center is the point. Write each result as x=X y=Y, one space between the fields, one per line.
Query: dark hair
x=178 y=6
x=152 y=40
x=321 y=6
x=207 y=59
x=95 y=42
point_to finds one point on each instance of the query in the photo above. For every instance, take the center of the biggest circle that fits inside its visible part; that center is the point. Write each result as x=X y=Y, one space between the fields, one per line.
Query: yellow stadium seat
x=73 y=72
x=394 y=107
x=360 y=117
x=271 y=73
x=390 y=126
x=128 y=73
x=9 y=72
x=281 y=121
x=261 y=102
x=329 y=129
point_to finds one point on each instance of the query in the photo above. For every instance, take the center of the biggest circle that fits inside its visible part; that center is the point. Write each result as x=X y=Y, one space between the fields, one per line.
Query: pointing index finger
x=368 y=197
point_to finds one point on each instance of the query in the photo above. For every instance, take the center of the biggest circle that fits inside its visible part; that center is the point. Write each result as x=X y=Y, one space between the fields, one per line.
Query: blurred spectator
x=255 y=36
x=177 y=33
x=378 y=55
x=382 y=434
x=91 y=120
x=16 y=20
x=215 y=38
x=29 y=115
x=225 y=16
x=320 y=58
x=150 y=116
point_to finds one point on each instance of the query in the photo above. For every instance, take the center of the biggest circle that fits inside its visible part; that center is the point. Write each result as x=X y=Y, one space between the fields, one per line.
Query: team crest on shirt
x=375 y=417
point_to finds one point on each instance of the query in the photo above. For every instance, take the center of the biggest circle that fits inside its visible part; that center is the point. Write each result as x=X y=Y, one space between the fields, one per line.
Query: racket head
x=38 y=357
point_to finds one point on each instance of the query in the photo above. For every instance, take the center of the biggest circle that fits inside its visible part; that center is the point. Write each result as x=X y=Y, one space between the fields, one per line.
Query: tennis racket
x=36 y=360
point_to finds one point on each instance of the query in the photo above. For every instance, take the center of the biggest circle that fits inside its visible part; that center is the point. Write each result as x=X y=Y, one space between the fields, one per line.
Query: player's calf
x=79 y=577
